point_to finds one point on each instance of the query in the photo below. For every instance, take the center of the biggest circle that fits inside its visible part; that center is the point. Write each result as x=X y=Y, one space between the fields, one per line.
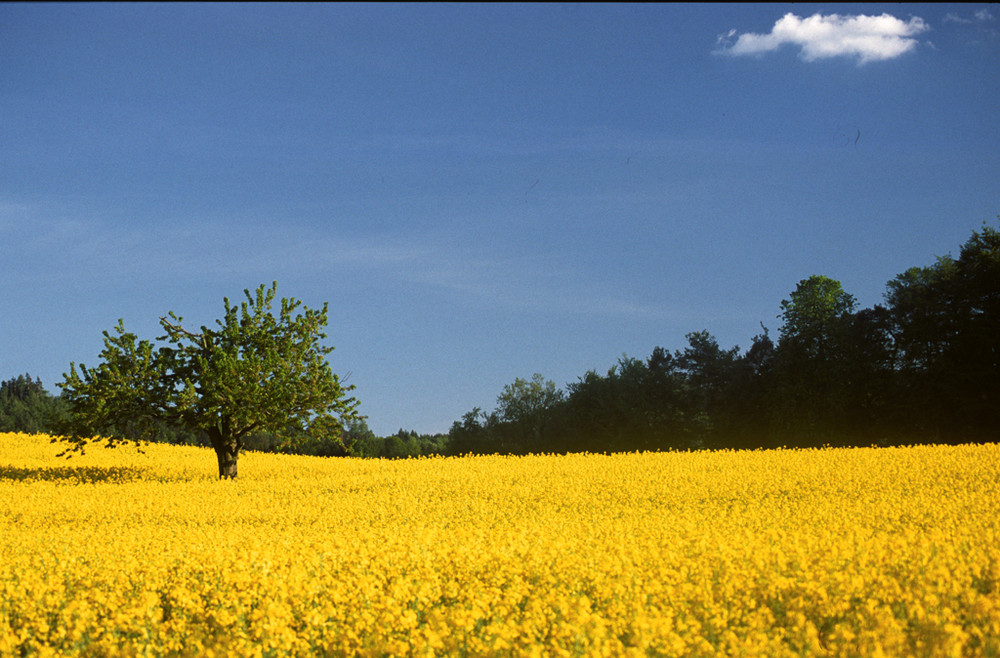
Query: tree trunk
x=227 y=461
x=227 y=449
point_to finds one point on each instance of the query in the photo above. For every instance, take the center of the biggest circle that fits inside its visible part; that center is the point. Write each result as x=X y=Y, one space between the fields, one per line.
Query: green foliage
x=357 y=436
x=472 y=434
x=25 y=406
x=636 y=406
x=522 y=410
x=256 y=374
x=946 y=324
x=524 y=401
x=666 y=402
x=924 y=367
x=810 y=360
x=403 y=444
x=744 y=417
x=708 y=372
x=814 y=316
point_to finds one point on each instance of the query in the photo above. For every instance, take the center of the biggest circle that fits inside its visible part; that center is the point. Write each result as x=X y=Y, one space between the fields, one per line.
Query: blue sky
x=480 y=192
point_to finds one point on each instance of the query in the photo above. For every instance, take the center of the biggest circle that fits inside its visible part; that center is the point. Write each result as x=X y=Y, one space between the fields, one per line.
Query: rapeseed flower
x=832 y=552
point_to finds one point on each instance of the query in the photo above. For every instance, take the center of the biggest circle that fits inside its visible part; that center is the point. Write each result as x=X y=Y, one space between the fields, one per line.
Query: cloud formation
x=981 y=16
x=868 y=38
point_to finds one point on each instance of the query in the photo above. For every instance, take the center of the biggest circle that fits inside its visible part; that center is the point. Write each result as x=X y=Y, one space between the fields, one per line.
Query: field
x=839 y=552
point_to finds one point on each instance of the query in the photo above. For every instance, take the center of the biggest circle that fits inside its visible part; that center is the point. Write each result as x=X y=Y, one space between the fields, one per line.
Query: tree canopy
x=254 y=372
x=946 y=323
x=923 y=368
x=25 y=406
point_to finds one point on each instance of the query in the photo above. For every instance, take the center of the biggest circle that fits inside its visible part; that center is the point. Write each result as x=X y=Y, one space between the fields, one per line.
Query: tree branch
x=199 y=338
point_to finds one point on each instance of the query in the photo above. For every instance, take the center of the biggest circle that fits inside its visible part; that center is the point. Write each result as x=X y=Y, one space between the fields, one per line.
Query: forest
x=924 y=367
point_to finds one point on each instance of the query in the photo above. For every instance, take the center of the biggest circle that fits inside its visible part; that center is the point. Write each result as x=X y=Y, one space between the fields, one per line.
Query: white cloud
x=868 y=38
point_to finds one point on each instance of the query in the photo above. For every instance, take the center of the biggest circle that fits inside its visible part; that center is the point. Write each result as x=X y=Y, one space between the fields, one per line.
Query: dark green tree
x=473 y=434
x=255 y=372
x=868 y=379
x=638 y=405
x=521 y=423
x=814 y=317
x=746 y=419
x=525 y=400
x=523 y=413
x=359 y=439
x=809 y=361
x=946 y=325
x=709 y=374
x=25 y=406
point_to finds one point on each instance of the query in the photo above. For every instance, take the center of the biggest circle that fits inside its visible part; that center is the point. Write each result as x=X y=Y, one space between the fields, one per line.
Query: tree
x=814 y=315
x=25 y=406
x=636 y=406
x=473 y=434
x=809 y=359
x=523 y=410
x=868 y=377
x=709 y=373
x=359 y=439
x=253 y=373
x=746 y=420
x=946 y=324
x=524 y=400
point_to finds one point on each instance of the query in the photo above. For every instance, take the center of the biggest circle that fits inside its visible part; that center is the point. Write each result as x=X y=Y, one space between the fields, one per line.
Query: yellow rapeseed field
x=840 y=552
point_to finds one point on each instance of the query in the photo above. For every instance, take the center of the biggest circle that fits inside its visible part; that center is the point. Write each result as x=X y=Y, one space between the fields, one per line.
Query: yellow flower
x=837 y=552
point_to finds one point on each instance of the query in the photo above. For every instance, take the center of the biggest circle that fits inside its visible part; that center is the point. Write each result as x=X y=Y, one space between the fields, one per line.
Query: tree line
x=26 y=406
x=922 y=368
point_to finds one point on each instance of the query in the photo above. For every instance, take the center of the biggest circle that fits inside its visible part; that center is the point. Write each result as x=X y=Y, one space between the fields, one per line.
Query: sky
x=480 y=192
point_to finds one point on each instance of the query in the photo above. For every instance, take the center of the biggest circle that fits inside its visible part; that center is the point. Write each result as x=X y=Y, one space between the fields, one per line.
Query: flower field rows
x=838 y=552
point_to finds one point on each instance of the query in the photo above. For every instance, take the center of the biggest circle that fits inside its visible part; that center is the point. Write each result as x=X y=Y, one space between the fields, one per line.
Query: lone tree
x=253 y=373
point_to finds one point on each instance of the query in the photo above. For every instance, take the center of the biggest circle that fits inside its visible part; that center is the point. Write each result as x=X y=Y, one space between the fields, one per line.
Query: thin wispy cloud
x=179 y=250
x=981 y=16
x=978 y=25
x=867 y=38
